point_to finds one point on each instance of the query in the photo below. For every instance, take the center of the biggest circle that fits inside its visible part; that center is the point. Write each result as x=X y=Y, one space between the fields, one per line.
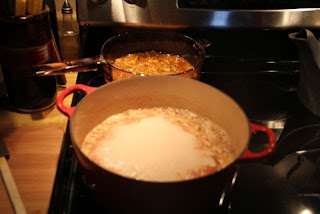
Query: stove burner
x=96 y=81
x=300 y=140
x=297 y=159
x=263 y=101
x=260 y=189
x=291 y=185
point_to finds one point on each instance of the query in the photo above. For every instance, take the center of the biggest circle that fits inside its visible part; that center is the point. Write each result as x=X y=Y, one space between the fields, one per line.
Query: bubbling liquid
x=159 y=144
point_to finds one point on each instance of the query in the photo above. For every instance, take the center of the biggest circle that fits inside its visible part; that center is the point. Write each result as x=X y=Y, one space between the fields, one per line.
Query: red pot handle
x=272 y=143
x=79 y=87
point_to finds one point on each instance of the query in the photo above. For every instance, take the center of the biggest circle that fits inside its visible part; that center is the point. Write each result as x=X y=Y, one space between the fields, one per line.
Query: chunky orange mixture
x=153 y=63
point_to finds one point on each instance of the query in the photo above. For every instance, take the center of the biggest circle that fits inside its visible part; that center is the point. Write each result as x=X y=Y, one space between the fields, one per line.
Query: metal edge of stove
x=62 y=192
x=174 y=14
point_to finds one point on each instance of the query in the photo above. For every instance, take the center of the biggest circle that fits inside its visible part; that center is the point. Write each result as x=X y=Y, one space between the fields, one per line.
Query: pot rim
x=237 y=158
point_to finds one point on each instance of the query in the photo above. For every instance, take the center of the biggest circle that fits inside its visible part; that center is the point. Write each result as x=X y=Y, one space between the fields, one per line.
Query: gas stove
x=252 y=60
x=285 y=182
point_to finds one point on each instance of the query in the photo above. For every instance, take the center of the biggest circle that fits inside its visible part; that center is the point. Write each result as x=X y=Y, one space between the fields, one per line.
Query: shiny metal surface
x=166 y=14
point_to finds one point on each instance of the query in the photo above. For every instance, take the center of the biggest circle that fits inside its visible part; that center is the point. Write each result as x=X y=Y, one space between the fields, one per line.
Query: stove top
x=288 y=181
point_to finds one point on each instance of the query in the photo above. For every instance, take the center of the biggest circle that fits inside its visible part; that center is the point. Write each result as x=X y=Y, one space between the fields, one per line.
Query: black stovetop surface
x=288 y=181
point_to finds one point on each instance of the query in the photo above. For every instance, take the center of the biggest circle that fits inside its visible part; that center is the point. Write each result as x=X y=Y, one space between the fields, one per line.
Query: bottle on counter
x=68 y=34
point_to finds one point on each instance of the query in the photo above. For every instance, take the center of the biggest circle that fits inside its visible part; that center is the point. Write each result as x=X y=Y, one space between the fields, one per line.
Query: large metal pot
x=133 y=42
x=198 y=195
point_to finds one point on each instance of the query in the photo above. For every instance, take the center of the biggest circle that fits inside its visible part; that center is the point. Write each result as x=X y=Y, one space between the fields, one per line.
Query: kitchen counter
x=34 y=143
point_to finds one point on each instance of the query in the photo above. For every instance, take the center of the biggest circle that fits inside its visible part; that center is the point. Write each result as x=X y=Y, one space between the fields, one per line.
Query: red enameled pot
x=198 y=195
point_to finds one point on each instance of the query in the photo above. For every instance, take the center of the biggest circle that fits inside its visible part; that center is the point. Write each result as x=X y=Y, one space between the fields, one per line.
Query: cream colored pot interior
x=144 y=92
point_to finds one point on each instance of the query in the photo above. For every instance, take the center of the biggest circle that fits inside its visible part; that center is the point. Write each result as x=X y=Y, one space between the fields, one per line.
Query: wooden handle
x=61 y=79
x=20 y=7
x=11 y=187
x=34 y=7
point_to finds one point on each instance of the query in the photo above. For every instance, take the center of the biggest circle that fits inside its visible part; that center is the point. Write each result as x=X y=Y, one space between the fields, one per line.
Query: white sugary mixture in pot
x=159 y=144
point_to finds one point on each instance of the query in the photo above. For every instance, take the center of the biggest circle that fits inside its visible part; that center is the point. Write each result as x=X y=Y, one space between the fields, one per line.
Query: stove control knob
x=131 y=1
